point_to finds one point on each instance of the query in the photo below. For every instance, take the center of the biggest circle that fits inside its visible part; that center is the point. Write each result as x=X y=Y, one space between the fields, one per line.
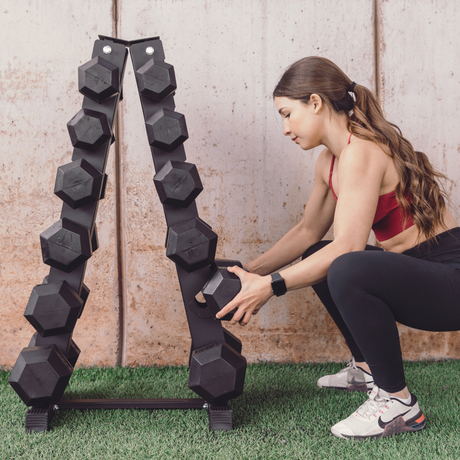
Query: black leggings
x=366 y=292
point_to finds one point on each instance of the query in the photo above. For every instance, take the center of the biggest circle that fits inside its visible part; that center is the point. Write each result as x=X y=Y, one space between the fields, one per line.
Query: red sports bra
x=389 y=217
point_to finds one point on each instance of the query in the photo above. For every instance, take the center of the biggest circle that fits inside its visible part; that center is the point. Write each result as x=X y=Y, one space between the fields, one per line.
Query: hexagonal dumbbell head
x=40 y=375
x=191 y=244
x=78 y=183
x=220 y=289
x=65 y=245
x=53 y=308
x=166 y=130
x=98 y=79
x=156 y=80
x=217 y=373
x=178 y=183
x=89 y=130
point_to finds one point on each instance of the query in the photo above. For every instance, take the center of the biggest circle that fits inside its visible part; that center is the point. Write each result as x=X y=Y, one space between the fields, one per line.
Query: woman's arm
x=316 y=221
x=360 y=175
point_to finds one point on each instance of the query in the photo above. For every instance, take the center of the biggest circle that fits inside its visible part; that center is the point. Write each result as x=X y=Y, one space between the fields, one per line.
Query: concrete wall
x=420 y=75
x=228 y=55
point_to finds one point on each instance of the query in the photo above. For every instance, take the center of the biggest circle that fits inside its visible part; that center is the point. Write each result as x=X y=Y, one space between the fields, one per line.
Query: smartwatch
x=278 y=285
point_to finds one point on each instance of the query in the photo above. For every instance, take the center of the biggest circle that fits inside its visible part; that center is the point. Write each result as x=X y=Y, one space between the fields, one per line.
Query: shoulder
x=359 y=146
x=363 y=155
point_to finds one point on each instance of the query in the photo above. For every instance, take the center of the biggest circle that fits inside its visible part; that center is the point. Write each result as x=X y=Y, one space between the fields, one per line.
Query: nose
x=286 y=127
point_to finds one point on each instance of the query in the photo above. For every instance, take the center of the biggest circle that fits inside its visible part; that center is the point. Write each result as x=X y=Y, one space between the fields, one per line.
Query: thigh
x=420 y=294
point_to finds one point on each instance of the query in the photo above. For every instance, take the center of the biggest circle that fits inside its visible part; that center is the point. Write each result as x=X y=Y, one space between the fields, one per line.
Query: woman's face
x=301 y=122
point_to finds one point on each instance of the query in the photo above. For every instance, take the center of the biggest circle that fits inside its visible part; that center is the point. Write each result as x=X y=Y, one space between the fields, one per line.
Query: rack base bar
x=39 y=418
x=191 y=403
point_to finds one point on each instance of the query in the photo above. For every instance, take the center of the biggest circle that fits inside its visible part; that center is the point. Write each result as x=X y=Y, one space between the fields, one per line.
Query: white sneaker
x=381 y=416
x=352 y=378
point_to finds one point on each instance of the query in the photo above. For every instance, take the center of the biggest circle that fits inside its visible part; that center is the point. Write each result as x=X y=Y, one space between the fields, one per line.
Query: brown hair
x=418 y=193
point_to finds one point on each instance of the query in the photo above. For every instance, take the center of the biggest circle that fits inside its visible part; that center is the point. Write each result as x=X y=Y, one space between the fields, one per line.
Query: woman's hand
x=255 y=292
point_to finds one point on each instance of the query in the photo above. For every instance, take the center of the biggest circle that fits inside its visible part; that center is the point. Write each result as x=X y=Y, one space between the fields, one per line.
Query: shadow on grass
x=250 y=411
x=258 y=405
x=271 y=392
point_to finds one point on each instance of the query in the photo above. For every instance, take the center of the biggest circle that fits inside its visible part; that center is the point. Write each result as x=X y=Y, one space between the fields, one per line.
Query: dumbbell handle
x=228 y=263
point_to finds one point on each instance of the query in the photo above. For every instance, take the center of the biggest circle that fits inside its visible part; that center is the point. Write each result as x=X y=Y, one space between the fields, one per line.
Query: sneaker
x=381 y=416
x=352 y=378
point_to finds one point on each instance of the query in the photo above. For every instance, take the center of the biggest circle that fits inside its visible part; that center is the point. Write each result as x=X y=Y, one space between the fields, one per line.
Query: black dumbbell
x=66 y=245
x=217 y=373
x=191 y=244
x=166 y=130
x=156 y=80
x=53 y=308
x=222 y=287
x=89 y=130
x=178 y=183
x=98 y=79
x=40 y=375
x=78 y=183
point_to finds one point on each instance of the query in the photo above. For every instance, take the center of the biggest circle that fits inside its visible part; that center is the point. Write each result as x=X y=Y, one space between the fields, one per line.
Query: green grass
x=281 y=415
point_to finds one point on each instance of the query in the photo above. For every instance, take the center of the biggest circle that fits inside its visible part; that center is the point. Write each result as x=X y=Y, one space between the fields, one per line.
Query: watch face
x=278 y=285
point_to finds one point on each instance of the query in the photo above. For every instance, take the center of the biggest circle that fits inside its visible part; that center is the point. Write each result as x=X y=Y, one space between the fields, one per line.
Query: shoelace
x=373 y=404
x=351 y=364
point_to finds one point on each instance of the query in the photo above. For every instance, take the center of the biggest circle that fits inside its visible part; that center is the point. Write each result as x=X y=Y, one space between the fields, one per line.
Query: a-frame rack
x=44 y=368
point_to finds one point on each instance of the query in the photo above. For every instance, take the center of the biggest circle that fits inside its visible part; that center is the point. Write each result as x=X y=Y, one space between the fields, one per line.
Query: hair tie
x=351 y=92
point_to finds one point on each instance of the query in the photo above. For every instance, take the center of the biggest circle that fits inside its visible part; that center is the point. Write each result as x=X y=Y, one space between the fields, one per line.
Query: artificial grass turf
x=281 y=415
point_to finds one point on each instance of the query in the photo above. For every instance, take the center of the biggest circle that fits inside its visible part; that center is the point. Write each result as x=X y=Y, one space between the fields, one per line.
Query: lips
x=294 y=139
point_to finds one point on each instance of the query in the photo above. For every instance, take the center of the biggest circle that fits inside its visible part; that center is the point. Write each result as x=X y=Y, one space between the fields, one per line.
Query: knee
x=349 y=271
x=314 y=248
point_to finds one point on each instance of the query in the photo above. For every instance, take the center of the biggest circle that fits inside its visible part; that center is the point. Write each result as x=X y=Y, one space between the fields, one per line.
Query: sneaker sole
x=362 y=387
x=397 y=426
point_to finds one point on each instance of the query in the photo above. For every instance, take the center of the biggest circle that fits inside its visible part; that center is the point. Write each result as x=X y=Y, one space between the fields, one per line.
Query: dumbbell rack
x=43 y=369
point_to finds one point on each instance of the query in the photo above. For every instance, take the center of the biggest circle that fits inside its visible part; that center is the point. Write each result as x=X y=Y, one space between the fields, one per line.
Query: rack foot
x=39 y=418
x=220 y=418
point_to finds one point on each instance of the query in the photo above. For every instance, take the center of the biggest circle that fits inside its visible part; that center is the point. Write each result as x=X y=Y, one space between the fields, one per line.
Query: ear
x=316 y=102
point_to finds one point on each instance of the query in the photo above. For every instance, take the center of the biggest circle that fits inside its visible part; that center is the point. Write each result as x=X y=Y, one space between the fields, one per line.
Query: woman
x=367 y=177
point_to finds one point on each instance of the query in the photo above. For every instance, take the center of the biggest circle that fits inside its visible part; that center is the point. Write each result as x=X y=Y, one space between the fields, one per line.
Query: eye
x=287 y=115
